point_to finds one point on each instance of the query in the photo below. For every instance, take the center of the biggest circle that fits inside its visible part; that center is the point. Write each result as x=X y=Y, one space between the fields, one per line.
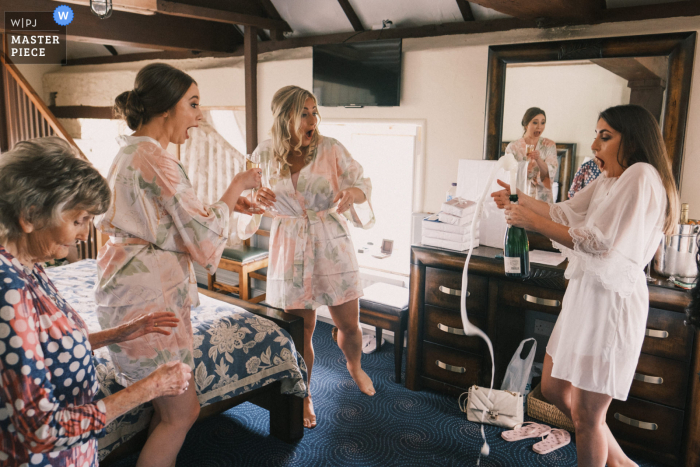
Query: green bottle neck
x=513 y=199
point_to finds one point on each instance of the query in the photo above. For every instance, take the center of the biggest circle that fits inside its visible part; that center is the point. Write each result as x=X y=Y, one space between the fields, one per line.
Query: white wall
x=571 y=116
x=34 y=74
x=444 y=82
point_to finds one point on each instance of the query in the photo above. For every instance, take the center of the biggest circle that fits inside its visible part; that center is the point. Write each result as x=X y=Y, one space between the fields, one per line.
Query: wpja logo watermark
x=37 y=37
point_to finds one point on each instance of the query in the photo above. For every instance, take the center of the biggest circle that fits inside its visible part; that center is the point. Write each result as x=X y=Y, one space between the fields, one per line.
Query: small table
x=385 y=306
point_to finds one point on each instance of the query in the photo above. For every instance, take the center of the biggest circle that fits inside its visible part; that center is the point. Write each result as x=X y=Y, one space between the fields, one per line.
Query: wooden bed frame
x=286 y=411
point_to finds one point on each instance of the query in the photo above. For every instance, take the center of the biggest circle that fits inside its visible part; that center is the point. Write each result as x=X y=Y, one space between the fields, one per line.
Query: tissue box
x=458 y=246
x=459 y=207
x=432 y=222
x=454 y=220
x=453 y=237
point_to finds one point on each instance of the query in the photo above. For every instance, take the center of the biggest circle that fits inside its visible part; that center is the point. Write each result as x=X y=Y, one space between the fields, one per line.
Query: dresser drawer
x=443 y=288
x=450 y=366
x=667 y=336
x=660 y=380
x=444 y=327
x=530 y=297
x=651 y=426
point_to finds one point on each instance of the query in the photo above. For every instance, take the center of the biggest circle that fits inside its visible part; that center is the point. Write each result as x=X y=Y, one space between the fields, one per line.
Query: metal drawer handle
x=451 y=330
x=541 y=301
x=636 y=423
x=452 y=368
x=648 y=379
x=656 y=333
x=448 y=291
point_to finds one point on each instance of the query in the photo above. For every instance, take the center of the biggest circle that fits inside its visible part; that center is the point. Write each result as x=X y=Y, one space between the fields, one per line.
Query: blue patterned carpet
x=396 y=427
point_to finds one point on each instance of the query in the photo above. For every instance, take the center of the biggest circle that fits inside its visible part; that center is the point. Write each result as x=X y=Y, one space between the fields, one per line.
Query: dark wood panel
x=251 y=88
x=435 y=320
x=471 y=363
x=82 y=111
x=442 y=387
x=666 y=438
x=530 y=297
x=437 y=278
x=137 y=30
x=669 y=381
x=677 y=344
x=414 y=350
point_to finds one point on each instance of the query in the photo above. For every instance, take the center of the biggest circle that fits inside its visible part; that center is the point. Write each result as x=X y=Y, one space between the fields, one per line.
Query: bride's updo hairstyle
x=157 y=88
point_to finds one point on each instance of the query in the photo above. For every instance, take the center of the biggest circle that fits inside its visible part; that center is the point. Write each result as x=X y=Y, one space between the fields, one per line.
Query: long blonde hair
x=642 y=142
x=287 y=108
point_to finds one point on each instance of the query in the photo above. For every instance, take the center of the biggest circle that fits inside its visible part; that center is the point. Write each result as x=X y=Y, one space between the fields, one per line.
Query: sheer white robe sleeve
x=615 y=226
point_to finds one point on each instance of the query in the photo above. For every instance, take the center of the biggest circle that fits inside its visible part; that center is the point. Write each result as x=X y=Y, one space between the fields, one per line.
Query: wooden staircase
x=24 y=116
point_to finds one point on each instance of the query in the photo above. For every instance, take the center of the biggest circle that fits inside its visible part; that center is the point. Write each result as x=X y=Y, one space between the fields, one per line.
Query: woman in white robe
x=608 y=232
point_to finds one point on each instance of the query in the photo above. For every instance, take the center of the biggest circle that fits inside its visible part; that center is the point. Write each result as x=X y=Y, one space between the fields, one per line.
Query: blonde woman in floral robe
x=541 y=154
x=157 y=227
x=312 y=258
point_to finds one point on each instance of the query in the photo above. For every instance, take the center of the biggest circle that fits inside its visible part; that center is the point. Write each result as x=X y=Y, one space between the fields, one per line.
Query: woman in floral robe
x=157 y=227
x=312 y=258
x=541 y=154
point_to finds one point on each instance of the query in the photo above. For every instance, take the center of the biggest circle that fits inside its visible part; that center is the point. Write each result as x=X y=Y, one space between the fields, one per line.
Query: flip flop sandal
x=556 y=439
x=526 y=430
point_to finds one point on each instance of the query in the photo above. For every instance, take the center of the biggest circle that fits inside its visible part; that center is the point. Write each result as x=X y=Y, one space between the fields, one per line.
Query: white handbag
x=503 y=408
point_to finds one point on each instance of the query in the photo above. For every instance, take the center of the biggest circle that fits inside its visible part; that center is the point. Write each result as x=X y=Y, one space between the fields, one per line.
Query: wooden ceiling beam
x=466 y=10
x=167 y=7
x=352 y=16
x=272 y=12
x=529 y=9
x=136 y=30
x=139 y=57
x=649 y=12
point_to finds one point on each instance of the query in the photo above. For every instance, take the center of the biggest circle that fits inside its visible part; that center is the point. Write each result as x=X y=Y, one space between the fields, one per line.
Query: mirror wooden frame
x=678 y=47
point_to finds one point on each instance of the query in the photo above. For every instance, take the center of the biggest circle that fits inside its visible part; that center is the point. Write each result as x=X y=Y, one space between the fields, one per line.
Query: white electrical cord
x=508 y=163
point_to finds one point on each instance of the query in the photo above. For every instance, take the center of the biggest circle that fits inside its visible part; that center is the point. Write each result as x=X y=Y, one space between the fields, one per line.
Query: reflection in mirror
x=572 y=94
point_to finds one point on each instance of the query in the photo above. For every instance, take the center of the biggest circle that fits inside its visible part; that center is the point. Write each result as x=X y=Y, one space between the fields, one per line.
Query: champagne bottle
x=516 y=249
x=684 y=213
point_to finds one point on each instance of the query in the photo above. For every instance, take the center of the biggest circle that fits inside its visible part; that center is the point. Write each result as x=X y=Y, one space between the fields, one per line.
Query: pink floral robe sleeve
x=157 y=228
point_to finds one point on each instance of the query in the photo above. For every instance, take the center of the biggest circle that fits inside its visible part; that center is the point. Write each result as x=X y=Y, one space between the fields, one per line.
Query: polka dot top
x=585 y=174
x=48 y=378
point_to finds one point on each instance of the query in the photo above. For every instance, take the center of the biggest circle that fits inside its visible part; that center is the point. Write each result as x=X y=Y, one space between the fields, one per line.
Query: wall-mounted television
x=358 y=74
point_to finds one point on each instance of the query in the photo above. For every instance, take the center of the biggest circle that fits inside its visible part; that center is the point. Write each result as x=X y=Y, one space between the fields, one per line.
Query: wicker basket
x=538 y=407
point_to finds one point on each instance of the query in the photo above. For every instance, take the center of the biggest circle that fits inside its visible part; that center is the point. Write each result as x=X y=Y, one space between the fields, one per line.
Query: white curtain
x=211 y=163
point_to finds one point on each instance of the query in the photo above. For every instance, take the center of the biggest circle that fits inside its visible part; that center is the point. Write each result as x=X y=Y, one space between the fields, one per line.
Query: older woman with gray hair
x=48 y=197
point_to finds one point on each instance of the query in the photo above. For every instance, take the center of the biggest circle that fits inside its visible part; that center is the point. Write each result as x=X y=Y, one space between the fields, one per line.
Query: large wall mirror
x=572 y=81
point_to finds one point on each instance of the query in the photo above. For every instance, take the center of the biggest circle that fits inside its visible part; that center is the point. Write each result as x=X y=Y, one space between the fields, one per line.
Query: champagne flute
x=271 y=173
x=254 y=162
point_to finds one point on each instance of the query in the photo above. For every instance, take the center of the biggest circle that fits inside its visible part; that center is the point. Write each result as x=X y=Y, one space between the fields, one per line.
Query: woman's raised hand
x=533 y=155
x=345 y=199
x=248 y=179
x=520 y=216
x=265 y=197
x=170 y=379
x=158 y=322
x=501 y=197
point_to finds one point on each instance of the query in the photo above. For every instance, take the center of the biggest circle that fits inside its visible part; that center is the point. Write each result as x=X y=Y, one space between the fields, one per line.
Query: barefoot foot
x=309 y=414
x=363 y=381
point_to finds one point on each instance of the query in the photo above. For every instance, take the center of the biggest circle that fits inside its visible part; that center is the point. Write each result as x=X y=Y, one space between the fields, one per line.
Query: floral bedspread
x=235 y=351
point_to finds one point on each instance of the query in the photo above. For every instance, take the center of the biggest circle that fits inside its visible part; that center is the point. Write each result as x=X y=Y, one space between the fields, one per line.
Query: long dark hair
x=157 y=88
x=531 y=113
x=642 y=142
x=692 y=313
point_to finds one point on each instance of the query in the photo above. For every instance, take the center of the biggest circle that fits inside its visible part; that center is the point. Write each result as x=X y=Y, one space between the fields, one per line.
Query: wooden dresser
x=660 y=419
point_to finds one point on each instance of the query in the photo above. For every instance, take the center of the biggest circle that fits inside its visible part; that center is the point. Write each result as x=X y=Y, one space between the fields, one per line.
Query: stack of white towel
x=451 y=227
